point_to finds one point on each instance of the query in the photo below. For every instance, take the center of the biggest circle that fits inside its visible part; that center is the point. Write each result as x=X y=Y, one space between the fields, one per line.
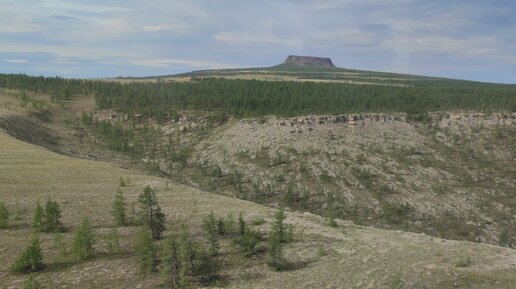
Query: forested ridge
x=242 y=98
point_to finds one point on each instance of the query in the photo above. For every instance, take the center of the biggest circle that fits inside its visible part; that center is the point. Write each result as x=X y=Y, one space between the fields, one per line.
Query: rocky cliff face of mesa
x=308 y=61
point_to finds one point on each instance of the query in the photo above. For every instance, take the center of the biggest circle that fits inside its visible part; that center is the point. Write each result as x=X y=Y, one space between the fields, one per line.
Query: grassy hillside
x=348 y=256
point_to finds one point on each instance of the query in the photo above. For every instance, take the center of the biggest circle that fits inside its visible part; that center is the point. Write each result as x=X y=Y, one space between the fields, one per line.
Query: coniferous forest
x=244 y=98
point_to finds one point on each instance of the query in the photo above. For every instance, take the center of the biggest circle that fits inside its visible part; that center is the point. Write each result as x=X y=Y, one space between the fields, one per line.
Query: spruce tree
x=31 y=260
x=146 y=251
x=119 y=210
x=4 y=216
x=83 y=240
x=150 y=212
x=37 y=221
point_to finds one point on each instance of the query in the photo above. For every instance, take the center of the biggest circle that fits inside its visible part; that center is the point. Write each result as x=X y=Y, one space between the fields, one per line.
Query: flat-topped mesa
x=308 y=61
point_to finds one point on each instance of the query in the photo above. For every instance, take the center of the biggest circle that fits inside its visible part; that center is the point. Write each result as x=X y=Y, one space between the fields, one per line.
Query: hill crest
x=309 y=61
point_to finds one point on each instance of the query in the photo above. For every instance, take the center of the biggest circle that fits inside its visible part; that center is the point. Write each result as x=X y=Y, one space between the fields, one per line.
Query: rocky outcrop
x=308 y=61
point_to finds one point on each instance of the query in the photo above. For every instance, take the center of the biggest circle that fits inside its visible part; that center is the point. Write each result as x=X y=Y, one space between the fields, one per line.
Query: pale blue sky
x=460 y=39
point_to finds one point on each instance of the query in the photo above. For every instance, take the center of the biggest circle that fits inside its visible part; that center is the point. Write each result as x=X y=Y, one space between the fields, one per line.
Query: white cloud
x=432 y=45
x=16 y=60
x=240 y=38
x=187 y=62
x=156 y=28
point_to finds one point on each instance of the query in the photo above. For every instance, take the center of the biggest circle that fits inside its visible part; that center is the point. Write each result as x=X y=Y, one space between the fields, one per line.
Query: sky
x=471 y=39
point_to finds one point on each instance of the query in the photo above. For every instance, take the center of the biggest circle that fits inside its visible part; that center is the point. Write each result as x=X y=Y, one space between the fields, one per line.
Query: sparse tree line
x=181 y=258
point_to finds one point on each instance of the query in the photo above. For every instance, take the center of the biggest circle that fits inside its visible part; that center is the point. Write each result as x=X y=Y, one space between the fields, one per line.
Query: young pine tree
x=31 y=260
x=280 y=234
x=83 y=240
x=61 y=245
x=146 y=251
x=37 y=221
x=113 y=241
x=119 y=210
x=52 y=217
x=241 y=225
x=280 y=230
x=275 y=254
x=207 y=265
x=150 y=212
x=249 y=241
x=4 y=216
x=220 y=227
x=210 y=226
x=188 y=250
x=229 y=225
x=170 y=267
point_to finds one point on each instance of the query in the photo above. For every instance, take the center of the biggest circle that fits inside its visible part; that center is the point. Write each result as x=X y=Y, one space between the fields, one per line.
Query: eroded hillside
x=446 y=174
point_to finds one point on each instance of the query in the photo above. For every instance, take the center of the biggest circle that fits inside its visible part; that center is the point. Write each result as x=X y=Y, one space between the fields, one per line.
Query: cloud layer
x=461 y=39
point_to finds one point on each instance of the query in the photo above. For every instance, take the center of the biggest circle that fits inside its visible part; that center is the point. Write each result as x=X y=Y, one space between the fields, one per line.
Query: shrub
x=4 y=216
x=31 y=284
x=463 y=262
x=332 y=223
x=398 y=282
x=249 y=241
x=258 y=222
x=322 y=252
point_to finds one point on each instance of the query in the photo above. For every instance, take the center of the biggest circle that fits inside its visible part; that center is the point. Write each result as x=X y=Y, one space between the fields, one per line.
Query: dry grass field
x=349 y=256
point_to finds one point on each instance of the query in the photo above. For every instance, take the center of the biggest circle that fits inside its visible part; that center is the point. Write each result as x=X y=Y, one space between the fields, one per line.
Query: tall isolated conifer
x=150 y=212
